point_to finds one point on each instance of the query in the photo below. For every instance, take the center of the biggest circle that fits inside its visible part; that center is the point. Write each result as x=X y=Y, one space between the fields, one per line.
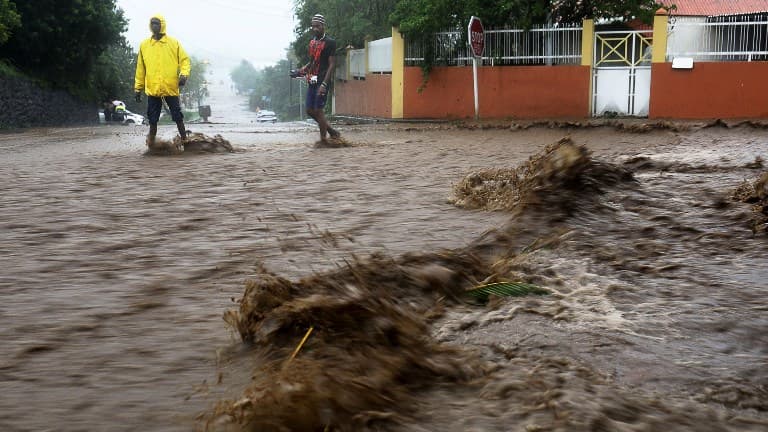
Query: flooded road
x=116 y=269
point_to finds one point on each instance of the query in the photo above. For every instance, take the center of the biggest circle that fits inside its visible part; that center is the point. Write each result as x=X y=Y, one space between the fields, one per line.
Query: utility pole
x=301 y=102
x=290 y=82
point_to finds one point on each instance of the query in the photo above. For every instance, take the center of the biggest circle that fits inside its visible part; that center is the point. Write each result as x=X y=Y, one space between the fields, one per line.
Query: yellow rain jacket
x=160 y=63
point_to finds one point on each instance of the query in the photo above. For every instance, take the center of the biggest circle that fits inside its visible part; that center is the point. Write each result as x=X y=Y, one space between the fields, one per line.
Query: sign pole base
x=477 y=98
x=476 y=39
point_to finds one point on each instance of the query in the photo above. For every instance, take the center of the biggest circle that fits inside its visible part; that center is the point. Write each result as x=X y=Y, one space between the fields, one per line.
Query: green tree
x=196 y=89
x=113 y=73
x=350 y=22
x=276 y=91
x=245 y=77
x=9 y=19
x=60 y=41
x=270 y=88
x=416 y=17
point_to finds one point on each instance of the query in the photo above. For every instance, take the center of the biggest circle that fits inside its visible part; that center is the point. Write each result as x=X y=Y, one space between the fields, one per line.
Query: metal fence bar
x=731 y=38
x=539 y=45
x=623 y=49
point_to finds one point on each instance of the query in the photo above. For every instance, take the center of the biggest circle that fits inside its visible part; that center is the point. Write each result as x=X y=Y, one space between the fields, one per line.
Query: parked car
x=128 y=118
x=266 y=116
x=131 y=117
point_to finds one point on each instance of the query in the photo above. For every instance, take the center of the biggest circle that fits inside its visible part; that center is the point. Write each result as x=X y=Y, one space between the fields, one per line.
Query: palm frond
x=505 y=289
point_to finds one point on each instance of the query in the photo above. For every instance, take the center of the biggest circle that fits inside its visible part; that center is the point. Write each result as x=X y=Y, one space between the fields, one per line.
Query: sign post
x=476 y=38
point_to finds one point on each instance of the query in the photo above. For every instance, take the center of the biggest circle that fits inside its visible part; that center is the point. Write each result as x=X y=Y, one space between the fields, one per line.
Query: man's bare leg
x=323 y=123
x=318 y=116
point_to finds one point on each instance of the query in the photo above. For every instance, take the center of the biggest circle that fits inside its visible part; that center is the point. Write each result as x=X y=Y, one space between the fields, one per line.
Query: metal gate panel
x=611 y=91
x=642 y=95
x=622 y=70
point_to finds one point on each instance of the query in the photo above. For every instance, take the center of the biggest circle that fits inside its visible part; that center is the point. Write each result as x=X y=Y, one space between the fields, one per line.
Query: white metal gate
x=622 y=73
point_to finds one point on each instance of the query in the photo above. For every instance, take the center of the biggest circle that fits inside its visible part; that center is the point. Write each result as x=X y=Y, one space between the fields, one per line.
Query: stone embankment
x=23 y=103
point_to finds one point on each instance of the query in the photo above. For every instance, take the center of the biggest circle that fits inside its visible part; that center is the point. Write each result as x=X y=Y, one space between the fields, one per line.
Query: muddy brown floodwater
x=116 y=270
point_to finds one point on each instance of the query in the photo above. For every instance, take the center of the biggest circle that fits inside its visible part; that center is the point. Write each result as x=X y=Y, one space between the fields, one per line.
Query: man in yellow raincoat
x=162 y=67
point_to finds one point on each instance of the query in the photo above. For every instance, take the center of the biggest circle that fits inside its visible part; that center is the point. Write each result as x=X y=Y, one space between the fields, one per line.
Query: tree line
x=77 y=46
x=64 y=44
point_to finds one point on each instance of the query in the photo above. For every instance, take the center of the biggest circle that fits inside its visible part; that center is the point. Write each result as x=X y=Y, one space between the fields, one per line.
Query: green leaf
x=505 y=289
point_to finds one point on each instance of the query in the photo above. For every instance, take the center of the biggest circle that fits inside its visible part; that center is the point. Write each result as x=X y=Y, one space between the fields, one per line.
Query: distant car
x=128 y=118
x=264 y=116
x=131 y=117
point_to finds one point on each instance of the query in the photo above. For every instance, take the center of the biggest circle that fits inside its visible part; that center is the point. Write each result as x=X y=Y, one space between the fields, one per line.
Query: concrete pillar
x=660 y=22
x=587 y=42
x=587 y=54
x=398 y=73
x=348 y=63
x=367 y=41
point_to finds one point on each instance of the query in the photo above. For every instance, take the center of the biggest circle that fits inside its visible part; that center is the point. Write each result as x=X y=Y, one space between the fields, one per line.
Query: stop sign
x=476 y=36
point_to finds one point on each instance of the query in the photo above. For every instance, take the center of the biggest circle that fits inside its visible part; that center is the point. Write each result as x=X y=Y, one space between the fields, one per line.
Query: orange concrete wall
x=504 y=92
x=710 y=90
x=371 y=97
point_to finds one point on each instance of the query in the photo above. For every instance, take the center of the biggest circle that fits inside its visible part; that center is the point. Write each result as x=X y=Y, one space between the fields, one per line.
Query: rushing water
x=116 y=269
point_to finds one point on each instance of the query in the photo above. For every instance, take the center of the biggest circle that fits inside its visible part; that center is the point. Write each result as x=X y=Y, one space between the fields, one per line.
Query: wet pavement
x=116 y=269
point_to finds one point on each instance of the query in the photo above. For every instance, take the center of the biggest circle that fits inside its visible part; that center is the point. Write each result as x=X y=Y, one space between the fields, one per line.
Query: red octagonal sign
x=476 y=36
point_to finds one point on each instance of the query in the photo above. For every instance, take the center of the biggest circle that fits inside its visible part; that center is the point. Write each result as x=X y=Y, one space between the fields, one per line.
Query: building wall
x=371 y=97
x=710 y=90
x=504 y=92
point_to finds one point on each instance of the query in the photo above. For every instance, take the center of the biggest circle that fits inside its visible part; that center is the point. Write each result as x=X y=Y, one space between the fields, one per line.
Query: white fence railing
x=733 y=38
x=546 y=45
x=357 y=63
x=736 y=38
x=380 y=56
x=341 y=71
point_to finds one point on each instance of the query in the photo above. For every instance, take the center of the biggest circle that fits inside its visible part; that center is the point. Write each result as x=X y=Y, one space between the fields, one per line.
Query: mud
x=333 y=142
x=195 y=143
x=116 y=270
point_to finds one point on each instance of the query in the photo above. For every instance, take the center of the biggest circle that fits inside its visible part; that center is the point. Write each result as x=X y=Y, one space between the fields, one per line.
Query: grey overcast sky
x=221 y=31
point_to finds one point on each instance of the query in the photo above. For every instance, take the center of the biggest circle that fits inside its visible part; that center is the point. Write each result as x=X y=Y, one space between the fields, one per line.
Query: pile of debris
x=755 y=192
x=349 y=348
x=194 y=143
x=560 y=176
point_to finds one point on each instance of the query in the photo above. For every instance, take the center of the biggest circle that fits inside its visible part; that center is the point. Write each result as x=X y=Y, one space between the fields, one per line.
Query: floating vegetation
x=504 y=289
x=562 y=175
x=755 y=192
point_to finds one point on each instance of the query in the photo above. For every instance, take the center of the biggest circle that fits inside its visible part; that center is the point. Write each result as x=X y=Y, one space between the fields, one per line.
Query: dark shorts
x=155 y=105
x=313 y=100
